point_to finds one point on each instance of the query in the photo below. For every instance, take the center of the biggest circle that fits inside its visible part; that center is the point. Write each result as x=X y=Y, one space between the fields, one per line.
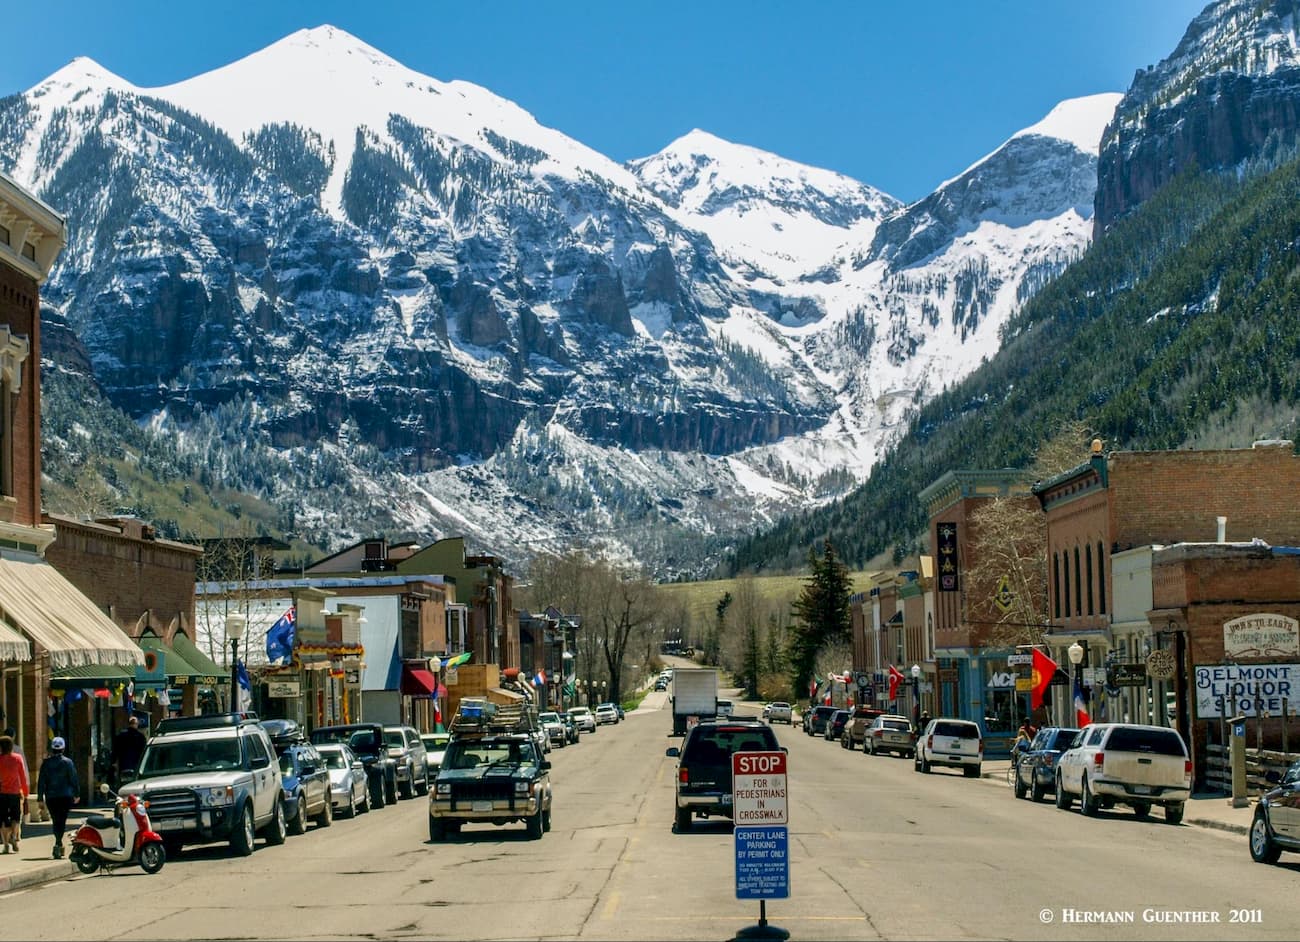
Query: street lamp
x=435 y=665
x=1076 y=652
x=235 y=625
x=916 y=692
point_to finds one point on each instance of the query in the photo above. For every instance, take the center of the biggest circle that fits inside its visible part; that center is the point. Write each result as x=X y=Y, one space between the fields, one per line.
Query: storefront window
x=1001 y=712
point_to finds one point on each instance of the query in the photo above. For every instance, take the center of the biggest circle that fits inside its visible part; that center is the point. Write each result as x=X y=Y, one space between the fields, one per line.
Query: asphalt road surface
x=877 y=852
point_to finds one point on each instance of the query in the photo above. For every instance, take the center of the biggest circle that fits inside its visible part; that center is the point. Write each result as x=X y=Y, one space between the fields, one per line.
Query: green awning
x=172 y=664
x=91 y=675
x=202 y=665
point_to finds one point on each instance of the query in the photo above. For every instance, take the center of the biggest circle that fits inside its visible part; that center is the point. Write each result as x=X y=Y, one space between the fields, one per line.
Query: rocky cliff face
x=1228 y=93
x=482 y=327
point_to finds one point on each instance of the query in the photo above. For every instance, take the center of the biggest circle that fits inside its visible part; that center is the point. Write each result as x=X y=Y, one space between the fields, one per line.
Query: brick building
x=46 y=623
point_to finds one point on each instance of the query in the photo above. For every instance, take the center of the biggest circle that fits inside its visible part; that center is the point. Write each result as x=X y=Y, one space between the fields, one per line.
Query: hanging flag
x=540 y=679
x=280 y=637
x=812 y=687
x=1081 y=718
x=895 y=678
x=1042 y=672
x=244 y=695
x=128 y=698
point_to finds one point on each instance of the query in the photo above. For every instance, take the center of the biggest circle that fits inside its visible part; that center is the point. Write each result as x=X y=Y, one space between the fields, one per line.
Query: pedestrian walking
x=58 y=788
x=27 y=773
x=13 y=793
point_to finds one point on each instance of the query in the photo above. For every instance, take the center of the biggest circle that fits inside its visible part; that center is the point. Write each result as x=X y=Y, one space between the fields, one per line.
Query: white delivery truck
x=695 y=696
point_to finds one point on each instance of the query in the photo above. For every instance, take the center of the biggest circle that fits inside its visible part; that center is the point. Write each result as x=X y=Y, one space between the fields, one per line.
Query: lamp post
x=235 y=625
x=916 y=692
x=1076 y=652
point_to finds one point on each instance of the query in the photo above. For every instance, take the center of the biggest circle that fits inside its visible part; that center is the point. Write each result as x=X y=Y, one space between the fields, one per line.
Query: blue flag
x=245 y=687
x=279 y=640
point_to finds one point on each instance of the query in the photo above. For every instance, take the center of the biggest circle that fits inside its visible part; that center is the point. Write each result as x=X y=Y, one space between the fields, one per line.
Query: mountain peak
x=1080 y=121
x=82 y=72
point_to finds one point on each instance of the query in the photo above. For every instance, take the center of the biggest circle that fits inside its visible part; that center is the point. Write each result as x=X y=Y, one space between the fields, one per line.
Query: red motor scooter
x=126 y=838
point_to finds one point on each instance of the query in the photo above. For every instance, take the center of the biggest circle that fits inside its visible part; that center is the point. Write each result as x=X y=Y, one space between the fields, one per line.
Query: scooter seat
x=101 y=822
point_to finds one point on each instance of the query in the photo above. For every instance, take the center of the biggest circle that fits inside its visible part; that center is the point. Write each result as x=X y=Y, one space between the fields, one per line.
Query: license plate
x=482 y=806
x=726 y=799
x=167 y=824
x=1141 y=789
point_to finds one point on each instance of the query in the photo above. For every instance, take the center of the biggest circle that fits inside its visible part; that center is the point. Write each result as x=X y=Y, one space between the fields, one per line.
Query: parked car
x=704 y=765
x=951 y=742
x=1036 y=766
x=1276 y=825
x=367 y=741
x=306 y=784
x=621 y=714
x=835 y=726
x=855 y=730
x=725 y=708
x=661 y=683
x=814 y=719
x=554 y=728
x=435 y=744
x=890 y=733
x=1111 y=764
x=405 y=748
x=348 y=791
x=606 y=715
x=583 y=719
x=211 y=778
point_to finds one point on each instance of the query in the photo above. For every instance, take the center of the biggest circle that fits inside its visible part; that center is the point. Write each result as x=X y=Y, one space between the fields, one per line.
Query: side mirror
x=309 y=770
x=672 y=752
x=103 y=788
x=544 y=764
x=261 y=762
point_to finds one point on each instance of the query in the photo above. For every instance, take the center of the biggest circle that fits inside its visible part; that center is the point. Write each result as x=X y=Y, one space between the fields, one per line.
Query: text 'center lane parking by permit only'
x=761 y=812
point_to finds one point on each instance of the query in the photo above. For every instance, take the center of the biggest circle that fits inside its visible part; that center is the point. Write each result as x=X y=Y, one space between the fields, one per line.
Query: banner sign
x=762 y=863
x=946 y=557
x=1229 y=689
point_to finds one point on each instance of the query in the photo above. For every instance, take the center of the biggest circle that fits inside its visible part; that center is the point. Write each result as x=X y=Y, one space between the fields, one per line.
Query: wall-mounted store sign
x=1245 y=689
x=282 y=688
x=1262 y=635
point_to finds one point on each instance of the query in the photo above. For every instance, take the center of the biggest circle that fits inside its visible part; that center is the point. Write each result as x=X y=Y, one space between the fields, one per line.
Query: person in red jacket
x=13 y=793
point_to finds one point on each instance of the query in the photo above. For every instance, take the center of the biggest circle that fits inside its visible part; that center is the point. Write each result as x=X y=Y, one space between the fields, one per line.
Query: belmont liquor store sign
x=1261 y=635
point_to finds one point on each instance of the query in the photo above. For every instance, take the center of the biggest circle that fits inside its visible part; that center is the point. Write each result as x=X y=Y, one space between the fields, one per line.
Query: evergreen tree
x=822 y=613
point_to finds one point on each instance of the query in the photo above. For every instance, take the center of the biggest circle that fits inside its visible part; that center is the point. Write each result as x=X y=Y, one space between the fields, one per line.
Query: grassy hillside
x=701 y=598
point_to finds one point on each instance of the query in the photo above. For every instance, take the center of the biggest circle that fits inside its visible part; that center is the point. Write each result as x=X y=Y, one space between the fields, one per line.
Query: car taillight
x=929 y=741
x=980 y=746
x=1098 y=760
x=682 y=775
x=1187 y=767
x=877 y=733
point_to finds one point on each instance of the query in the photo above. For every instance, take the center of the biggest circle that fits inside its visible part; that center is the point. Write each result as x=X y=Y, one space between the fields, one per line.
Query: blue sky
x=899 y=95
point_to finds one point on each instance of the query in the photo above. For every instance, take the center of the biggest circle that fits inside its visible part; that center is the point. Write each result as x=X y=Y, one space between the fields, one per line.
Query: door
x=266 y=779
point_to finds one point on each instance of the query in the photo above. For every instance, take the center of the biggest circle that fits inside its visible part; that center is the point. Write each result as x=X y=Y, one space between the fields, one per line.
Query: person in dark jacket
x=128 y=747
x=58 y=789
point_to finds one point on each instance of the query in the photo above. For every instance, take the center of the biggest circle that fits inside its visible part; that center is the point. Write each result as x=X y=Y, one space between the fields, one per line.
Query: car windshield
x=1161 y=742
x=192 y=755
x=578 y=711
x=713 y=745
x=1062 y=740
x=435 y=741
x=1292 y=775
x=393 y=738
x=900 y=726
x=960 y=730
x=334 y=758
x=474 y=753
x=550 y=717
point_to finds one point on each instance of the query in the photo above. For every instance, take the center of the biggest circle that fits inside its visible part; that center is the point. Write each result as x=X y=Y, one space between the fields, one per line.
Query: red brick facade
x=19 y=304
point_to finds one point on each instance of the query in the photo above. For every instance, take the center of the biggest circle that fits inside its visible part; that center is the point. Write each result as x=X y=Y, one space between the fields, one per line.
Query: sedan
x=1276 y=826
x=890 y=733
x=435 y=744
x=349 y=792
x=1035 y=768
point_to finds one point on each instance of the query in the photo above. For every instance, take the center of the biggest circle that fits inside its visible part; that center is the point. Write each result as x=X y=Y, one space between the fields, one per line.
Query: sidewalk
x=1207 y=810
x=34 y=863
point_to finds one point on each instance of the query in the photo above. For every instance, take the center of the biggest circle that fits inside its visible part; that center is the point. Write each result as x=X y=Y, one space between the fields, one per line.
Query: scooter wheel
x=85 y=860
x=152 y=857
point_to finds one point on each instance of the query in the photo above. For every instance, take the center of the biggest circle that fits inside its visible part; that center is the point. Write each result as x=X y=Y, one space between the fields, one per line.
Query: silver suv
x=211 y=778
x=407 y=749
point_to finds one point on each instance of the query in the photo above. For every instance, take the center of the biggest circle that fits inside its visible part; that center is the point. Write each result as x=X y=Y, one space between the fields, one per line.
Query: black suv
x=835 y=725
x=704 y=765
x=367 y=741
x=814 y=719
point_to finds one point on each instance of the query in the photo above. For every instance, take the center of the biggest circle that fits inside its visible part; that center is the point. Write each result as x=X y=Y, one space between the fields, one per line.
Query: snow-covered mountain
x=409 y=306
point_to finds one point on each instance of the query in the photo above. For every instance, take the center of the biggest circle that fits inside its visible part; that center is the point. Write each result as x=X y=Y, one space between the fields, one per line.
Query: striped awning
x=51 y=611
x=13 y=646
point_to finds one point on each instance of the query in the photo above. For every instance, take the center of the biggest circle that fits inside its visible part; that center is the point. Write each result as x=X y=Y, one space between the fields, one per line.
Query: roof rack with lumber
x=478 y=715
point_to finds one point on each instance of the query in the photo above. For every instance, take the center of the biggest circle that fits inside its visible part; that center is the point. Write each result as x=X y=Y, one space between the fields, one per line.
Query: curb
x=54 y=870
x=1219 y=825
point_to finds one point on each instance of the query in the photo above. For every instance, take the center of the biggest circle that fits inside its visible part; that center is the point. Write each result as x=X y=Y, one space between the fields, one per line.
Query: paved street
x=878 y=852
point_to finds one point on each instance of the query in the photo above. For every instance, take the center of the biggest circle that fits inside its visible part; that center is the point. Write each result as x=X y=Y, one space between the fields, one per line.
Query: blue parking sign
x=762 y=862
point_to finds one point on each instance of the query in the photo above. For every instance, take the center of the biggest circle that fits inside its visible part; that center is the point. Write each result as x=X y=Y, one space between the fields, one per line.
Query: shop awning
x=202 y=665
x=91 y=675
x=13 y=646
x=417 y=682
x=171 y=664
x=51 y=611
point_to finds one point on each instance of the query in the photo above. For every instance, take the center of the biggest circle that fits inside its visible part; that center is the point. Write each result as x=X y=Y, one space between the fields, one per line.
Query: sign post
x=761 y=813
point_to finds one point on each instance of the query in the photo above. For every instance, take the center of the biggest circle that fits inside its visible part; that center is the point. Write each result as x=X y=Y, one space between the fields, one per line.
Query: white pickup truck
x=1112 y=764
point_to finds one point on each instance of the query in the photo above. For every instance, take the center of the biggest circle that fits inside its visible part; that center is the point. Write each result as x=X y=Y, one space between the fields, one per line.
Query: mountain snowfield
x=857 y=306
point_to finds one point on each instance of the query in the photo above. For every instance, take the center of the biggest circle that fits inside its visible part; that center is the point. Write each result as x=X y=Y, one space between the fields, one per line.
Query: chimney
x=1223 y=530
